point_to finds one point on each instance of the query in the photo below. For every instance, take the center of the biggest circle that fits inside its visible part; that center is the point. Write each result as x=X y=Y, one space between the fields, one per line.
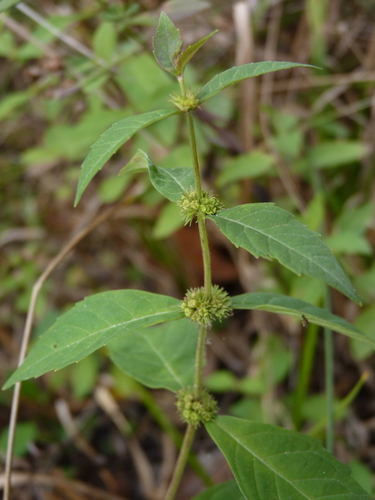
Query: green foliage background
x=304 y=141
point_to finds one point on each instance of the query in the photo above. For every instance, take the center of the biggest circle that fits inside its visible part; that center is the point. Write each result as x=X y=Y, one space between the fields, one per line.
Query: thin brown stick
x=48 y=480
x=265 y=98
x=27 y=332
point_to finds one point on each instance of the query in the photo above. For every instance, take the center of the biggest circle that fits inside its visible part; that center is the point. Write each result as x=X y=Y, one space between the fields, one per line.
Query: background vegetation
x=302 y=139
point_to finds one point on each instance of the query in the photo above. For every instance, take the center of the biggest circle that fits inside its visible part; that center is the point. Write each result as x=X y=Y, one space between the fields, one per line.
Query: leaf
x=172 y=183
x=7 y=4
x=224 y=491
x=93 y=323
x=271 y=463
x=160 y=356
x=185 y=57
x=137 y=163
x=337 y=153
x=104 y=41
x=238 y=73
x=111 y=141
x=168 y=222
x=246 y=166
x=270 y=232
x=282 y=304
x=167 y=44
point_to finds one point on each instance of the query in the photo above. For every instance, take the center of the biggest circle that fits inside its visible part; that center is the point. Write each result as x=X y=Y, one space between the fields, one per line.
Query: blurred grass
x=60 y=91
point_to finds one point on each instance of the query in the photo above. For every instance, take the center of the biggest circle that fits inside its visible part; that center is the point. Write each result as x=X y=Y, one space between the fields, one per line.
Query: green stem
x=199 y=361
x=194 y=152
x=329 y=379
x=202 y=333
x=304 y=375
x=181 y=462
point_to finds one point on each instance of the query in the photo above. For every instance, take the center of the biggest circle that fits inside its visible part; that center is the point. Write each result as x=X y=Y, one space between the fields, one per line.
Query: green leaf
x=271 y=463
x=185 y=57
x=93 y=323
x=246 y=166
x=168 y=222
x=270 y=232
x=224 y=491
x=238 y=73
x=282 y=304
x=172 y=183
x=137 y=163
x=104 y=41
x=167 y=44
x=159 y=357
x=111 y=141
x=336 y=153
x=7 y=4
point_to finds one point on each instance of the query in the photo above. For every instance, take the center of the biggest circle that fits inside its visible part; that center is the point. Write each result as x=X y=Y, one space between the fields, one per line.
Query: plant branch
x=181 y=462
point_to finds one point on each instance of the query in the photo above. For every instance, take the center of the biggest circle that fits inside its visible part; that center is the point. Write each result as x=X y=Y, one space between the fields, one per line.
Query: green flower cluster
x=192 y=205
x=205 y=309
x=193 y=411
x=186 y=103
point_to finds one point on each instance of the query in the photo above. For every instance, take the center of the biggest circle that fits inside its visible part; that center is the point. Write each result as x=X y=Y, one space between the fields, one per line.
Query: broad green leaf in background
x=224 y=491
x=12 y=101
x=365 y=321
x=270 y=232
x=167 y=44
x=26 y=433
x=111 y=141
x=271 y=463
x=185 y=57
x=282 y=304
x=246 y=166
x=104 y=41
x=169 y=221
x=7 y=4
x=238 y=73
x=160 y=356
x=336 y=153
x=93 y=323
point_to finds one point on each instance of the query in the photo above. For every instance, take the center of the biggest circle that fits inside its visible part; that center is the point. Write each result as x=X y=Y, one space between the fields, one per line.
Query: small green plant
x=268 y=462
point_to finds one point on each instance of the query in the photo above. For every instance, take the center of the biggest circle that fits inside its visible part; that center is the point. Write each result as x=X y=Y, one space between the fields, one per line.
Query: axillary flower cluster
x=194 y=205
x=204 y=309
x=195 y=412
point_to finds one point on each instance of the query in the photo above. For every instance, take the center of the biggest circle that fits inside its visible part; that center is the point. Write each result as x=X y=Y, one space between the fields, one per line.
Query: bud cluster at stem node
x=185 y=103
x=192 y=205
x=205 y=309
x=196 y=411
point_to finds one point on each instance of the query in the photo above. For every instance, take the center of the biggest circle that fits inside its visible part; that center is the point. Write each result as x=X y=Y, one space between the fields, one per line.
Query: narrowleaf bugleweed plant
x=268 y=462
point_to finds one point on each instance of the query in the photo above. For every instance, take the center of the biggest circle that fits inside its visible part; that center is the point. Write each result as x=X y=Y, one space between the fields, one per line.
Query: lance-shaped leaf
x=172 y=183
x=93 y=323
x=161 y=356
x=238 y=73
x=270 y=232
x=224 y=491
x=167 y=44
x=271 y=463
x=282 y=304
x=185 y=57
x=111 y=141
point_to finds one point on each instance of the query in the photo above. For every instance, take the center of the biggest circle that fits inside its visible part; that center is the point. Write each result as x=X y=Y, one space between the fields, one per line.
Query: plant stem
x=329 y=379
x=193 y=146
x=181 y=462
x=199 y=360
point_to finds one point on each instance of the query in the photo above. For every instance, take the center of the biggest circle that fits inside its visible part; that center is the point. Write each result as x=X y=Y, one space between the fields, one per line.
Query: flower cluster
x=193 y=411
x=186 y=103
x=205 y=309
x=192 y=205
